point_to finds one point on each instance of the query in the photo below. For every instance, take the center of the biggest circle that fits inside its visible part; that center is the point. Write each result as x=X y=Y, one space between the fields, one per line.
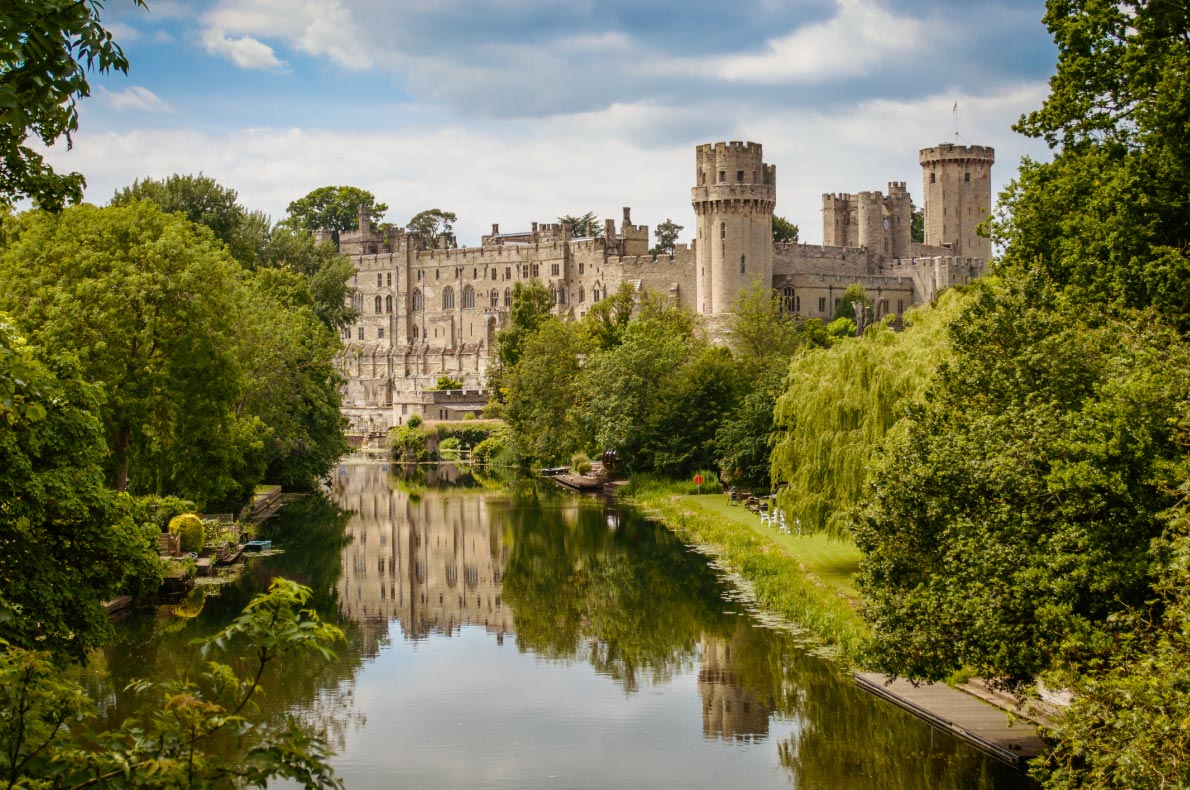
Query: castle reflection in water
x=435 y=562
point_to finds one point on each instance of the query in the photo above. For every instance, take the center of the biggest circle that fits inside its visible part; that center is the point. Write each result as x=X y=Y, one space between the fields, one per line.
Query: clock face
x=887 y=224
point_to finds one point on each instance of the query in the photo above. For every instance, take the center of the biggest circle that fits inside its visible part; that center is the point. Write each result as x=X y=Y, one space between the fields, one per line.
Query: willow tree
x=839 y=403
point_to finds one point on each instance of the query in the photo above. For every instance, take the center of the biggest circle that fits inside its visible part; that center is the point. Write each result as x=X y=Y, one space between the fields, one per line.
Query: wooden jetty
x=974 y=721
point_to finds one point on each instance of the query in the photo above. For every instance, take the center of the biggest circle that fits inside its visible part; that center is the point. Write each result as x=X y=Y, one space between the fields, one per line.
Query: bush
x=161 y=509
x=189 y=529
x=580 y=464
x=414 y=421
x=448 y=383
x=496 y=449
x=448 y=449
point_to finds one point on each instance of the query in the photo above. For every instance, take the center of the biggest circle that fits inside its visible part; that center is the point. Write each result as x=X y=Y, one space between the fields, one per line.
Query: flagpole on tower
x=956 y=122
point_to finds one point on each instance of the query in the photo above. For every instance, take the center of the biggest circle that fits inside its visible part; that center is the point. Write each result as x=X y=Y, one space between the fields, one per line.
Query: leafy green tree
x=293 y=387
x=46 y=49
x=173 y=739
x=326 y=271
x=743 y=439
x=542 y=393
x=608 y=318
x=69 y=543
x=678 y=437
x=917 y=224
x=531 y=305
x=784 y=230
x=667 y=236
x=759 y=328
x=448 y=383
x=1010 y=520
x=332 y=208
x=838 y=404
x=203 y=201
x=148 y=301
x=1108 y=219
x=851 y=295
x=584 y=226
x=619 y=386
x=432 y=225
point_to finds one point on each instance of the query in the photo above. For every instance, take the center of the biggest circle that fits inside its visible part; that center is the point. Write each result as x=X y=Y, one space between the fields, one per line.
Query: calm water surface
x=525 y=638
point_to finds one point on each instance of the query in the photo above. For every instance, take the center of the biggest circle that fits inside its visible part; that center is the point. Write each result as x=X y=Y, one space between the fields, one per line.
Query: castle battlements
x=423 y=313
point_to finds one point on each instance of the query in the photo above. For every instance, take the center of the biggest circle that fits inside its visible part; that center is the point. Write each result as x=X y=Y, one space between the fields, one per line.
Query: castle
x=424 y=313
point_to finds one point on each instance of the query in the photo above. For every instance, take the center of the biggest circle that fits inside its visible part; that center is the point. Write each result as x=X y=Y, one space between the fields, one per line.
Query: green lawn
x=833 y=561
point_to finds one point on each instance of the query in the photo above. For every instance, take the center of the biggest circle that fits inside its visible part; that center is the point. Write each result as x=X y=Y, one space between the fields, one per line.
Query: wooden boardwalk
x=979 y=723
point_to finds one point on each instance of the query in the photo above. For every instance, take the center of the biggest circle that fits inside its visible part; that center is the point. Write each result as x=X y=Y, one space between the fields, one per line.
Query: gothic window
x=581 y=295
x=822 y=304
x=468 y=297
x=417 y=302
x=554 y=269
x=388 y=304
x=360 y=333
x=357 y=302
x=788 y=299
x=379 y=280
x=495 y=298
x=507 y=272
x=507 y=298
x=379 y=304
x=493 y=272
x=389 y=279
x=536 y=270
x=448 y=298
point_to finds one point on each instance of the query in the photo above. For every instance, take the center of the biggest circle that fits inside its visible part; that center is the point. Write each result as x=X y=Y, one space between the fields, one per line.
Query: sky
x=515 y=111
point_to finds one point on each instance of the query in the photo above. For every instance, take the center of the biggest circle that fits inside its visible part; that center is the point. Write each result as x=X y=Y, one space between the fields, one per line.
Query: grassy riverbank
x=805 y=579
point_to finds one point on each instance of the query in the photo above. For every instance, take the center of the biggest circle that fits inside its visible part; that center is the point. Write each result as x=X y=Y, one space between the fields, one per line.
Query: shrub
x=495 y=449
x=414 y=421
x=189 y=529
x=580 y=464
x=448 y=383
x=448 y=449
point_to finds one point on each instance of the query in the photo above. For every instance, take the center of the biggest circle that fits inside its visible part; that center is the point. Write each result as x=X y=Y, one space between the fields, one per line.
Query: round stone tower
x=957 y=189
x=733 y=207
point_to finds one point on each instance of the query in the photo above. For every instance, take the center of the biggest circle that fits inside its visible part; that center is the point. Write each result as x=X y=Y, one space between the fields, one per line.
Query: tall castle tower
x=957 y=189
x=733 y=206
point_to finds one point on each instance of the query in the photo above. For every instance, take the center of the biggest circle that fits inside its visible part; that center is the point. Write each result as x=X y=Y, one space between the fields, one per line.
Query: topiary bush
x=189 y=529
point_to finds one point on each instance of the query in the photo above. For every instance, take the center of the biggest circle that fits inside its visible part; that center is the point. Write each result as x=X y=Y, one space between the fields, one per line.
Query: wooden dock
x=974 y=721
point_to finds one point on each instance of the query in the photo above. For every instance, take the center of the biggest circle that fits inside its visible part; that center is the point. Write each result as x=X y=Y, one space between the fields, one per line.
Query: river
x=522 y=637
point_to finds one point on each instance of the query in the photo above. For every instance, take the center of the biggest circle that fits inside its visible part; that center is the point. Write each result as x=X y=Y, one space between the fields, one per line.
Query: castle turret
x=733 y=205
x=957 y=185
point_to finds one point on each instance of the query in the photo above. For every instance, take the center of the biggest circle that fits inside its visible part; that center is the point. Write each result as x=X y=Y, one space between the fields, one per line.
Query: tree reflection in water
x=574 y=581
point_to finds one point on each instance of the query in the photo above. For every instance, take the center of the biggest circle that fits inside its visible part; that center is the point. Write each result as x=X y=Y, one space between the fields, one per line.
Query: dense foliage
x=332 y=208
x=179 y=735
x=46 y=49
x=67 y=542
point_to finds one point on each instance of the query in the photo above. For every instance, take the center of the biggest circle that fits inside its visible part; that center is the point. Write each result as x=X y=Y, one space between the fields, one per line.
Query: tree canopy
x=667 y=237
x=333 y=208
x=432 y=225
x=586 y=225
x=784 y=230
x=46 y=49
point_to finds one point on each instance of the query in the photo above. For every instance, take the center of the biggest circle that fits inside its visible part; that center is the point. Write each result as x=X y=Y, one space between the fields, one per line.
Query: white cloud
x=246 y=51
x=134 y=98
x=316 y=27
x=121 y=32
x=163 y=37
x=516 y=171
x=850 y=44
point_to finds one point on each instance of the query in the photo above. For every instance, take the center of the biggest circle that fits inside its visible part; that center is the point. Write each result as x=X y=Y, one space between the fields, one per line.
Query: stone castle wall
x=424 y=313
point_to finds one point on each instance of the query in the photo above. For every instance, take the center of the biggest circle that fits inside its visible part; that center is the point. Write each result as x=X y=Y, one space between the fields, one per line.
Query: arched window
x=468 y=297
x=507 y=297
x=581 y=294
x=379 y=304
x=388 y=304
x=787 y=299
x=448 y=298
x=495 y=298
x=417 y=303
x=596 y=294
